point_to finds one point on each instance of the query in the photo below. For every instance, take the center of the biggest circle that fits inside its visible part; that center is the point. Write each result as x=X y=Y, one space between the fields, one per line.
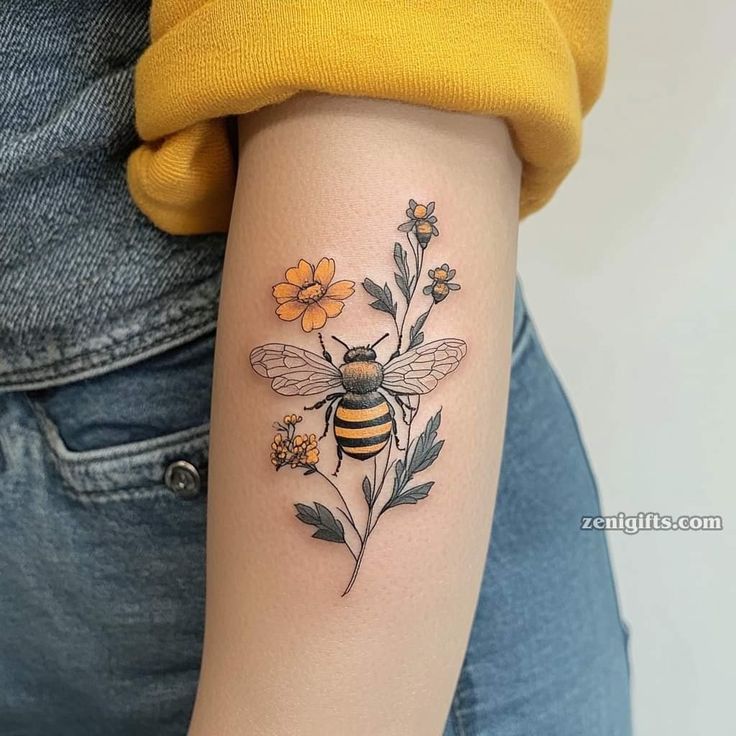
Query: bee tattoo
x=364 y=419
x=359 y=393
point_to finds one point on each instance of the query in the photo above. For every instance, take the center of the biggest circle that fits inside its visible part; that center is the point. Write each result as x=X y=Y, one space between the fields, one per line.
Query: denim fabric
x=548 y=653
x=86 y=281
x=102 y=566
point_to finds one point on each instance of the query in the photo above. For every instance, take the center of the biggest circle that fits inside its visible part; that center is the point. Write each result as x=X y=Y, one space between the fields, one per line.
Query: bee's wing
x=418 y=371
x=293 y=371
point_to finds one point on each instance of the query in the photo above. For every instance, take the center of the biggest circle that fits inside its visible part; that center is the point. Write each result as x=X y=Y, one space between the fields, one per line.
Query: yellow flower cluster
x=296 y=450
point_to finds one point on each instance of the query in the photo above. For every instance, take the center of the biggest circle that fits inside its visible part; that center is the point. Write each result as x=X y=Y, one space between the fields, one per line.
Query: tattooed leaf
x=328 y=535
x=383 y=297
x=402 y=278
x=428 y=458
x=373 y=288
x=422 y=453
x=329 y=528
x=413 y=495
x=434 y=422
x=367 y=491
x=398 y=477
x=403 y=286
x=416 y=336
x=417 y=326
x=416 y=340
x=326 y=518
x=389 y=298
x=426 y=448
x=306 y=514
x=381 y=307
x=401 y=260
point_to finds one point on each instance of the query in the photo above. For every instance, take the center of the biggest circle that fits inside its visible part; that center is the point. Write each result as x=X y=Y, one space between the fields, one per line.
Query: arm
x=285 y=652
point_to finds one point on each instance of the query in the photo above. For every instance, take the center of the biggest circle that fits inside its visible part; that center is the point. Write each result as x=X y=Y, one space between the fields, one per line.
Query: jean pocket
x=137 y=432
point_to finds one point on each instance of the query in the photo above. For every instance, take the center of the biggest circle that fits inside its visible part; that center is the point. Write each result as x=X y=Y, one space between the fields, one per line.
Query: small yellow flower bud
x=424 y=232
x=440 y=291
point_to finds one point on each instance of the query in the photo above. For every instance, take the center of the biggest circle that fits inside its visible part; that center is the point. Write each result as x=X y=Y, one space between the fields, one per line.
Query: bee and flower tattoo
x=360 y=394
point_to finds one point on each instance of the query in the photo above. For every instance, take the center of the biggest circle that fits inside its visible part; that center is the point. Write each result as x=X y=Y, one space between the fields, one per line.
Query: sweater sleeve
x=538 y=64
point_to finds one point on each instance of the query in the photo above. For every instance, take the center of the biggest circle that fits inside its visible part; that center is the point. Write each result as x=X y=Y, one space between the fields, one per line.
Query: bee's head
x=360 y=353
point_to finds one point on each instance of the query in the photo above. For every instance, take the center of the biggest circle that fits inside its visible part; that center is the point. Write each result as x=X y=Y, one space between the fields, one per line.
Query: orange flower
x=309 y=293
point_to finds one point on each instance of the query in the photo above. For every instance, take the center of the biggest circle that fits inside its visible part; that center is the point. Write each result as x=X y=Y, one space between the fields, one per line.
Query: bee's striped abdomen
x=362 y=424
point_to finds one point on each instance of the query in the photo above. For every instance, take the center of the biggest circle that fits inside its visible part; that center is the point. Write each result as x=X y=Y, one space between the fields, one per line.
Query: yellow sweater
x=539 y=64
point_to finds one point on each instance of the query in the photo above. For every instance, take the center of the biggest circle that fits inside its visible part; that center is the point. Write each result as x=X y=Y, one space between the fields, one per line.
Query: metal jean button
x=183 y=479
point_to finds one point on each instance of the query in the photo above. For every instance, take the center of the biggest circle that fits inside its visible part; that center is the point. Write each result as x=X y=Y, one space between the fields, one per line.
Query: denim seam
x=66 y=463
x=163 y=321
x=115 y=452
x=98 y=356
x=124 y=493
x=152 y=485
x=522 y=339
x=141 y=493
x=455 y=709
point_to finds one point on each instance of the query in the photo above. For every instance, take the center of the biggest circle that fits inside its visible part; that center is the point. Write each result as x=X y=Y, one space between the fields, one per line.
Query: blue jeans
x=102 y=562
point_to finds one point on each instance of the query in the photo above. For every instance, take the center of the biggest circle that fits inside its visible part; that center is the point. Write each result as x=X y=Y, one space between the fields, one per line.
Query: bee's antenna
x=379 y=340
x=347 y=347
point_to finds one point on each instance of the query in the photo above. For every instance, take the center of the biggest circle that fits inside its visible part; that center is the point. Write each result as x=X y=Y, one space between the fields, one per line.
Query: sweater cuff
x=534 y=64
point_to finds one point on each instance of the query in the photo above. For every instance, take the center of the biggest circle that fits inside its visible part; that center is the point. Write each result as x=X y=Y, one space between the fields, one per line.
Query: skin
x=284 y=653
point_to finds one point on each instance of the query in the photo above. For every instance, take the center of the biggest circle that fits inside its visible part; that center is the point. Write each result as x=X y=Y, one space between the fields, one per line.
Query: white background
x=630 y=274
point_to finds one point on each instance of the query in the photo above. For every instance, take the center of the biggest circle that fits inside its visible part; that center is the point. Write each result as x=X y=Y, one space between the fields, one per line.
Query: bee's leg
x=328 y=414
x=339 y=460
x=394 y=428
x=318 y=405
x=325 y=354
x=403 y=406
x=329 y=398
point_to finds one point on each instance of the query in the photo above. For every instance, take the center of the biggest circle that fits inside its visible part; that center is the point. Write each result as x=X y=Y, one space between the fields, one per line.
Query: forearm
x=285 y=651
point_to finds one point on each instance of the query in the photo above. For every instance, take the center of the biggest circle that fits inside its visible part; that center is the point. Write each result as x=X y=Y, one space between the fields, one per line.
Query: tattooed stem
x=387 y=467
x=400 y=331
x=374 y=492
x=412 y=414
x=418 y=252
x=346 y=511
x=359 y=558
x=412 y=289
x=415 y=251
x=420 y=265
x=370 y=523
x=350 y=549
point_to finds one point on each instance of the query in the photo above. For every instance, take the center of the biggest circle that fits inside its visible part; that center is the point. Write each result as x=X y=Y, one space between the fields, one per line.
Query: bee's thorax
x=361 y=377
